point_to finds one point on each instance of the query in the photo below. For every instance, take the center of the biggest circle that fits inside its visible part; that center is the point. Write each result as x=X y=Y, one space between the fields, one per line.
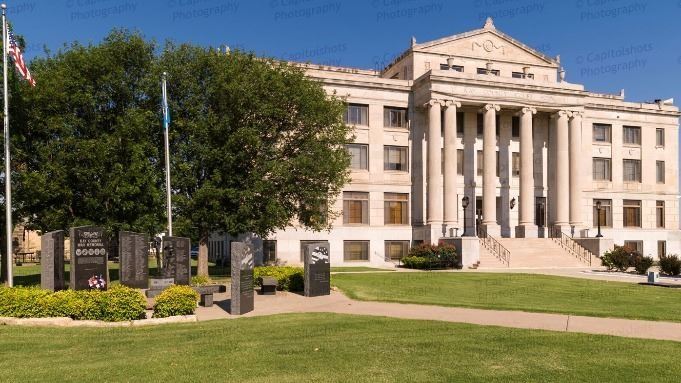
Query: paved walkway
x=338 y=303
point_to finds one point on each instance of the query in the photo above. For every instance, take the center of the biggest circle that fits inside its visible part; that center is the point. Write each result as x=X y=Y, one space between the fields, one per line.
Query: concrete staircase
x=530 y=253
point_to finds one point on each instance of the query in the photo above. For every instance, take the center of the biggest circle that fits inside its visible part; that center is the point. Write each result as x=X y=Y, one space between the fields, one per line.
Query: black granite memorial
x=317 y=269
x=133 y=255
x=176 y=259
x=52 y=261
x=89 y=269
x=242 y=278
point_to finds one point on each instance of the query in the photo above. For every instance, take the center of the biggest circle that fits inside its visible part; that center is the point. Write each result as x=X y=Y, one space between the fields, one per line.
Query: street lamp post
x=598 y=213
x=464 y=204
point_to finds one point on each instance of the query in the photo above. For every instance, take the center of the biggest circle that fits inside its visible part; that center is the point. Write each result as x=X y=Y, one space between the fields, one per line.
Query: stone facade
x=471 y=98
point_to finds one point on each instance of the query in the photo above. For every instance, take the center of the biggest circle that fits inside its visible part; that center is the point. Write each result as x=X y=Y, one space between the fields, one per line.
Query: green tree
x=255 y=143
x=86 y=139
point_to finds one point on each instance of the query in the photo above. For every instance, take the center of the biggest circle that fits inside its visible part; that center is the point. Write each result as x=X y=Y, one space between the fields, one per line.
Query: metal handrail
x=494 y=247
x=569 y=244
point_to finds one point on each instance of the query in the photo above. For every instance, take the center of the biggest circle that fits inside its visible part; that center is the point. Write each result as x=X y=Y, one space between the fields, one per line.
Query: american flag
x=14 y=52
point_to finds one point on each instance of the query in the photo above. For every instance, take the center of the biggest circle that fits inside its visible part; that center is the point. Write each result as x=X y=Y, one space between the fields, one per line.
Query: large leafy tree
x=255 y=144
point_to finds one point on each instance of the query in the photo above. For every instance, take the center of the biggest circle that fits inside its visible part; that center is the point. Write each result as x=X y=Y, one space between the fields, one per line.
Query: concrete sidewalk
x=338 y=303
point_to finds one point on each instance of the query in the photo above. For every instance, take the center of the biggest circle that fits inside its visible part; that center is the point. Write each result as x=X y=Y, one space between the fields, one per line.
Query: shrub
x=289 y=278
x=202 y=280
x=119 y=303
x=618 y=258
x=641 y=264
x=431 y=257
x=176 y=300
x=670 y=264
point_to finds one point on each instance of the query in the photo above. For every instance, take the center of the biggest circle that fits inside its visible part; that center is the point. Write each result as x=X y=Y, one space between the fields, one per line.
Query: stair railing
x=569 y=244
x=494 y=247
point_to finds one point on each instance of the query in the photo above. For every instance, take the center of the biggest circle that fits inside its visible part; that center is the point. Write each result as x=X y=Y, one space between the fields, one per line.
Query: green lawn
x=29 y=274
x=356 y=269
x=329 y=348
x=526 y=292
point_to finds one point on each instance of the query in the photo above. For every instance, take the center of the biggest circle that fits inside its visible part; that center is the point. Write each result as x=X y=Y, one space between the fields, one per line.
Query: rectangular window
x=396 y=208
x=632 y=213
x=659 y=214
x=601 y=132
x=632 y=170
x=479 y=161
x=661 y=248
x=269 y=252
x=355 y=208
x=444 y=67
x=515 y=127
x=636 y=246
x=457 y=68
x=602 y=168
x=632 y=135
x=357 y=114
x=359 y=156
x=659 y=137
x=493 y=72
x=522 y=75
x=395 y=117
x=659 y=165
x=355 y=251
x=459 y=124
x=605 y=214
x=459 y=162
x=515 y=165
x=396 y=250
x=396 y=158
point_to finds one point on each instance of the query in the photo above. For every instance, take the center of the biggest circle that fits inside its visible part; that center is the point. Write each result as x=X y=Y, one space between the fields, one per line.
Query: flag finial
x=3 y=6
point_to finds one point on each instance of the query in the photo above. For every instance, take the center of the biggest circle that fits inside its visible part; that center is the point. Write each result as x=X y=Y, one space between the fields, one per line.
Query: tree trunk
x=202 y=259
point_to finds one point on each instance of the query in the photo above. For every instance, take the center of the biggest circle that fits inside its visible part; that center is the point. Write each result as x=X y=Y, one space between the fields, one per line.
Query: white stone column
x=489 y=170
x=434 y=159
x=575 y=168
x=562 y=218
x=526 y=227
x=449 y=171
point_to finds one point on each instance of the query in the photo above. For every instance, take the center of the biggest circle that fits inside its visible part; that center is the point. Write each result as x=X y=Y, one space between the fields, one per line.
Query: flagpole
x=166 y=122
x=8 y=178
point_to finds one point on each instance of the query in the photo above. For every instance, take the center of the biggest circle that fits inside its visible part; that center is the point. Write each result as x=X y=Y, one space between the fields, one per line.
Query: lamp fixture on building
x=598 y=213
x=464 y=204
x=512 y=203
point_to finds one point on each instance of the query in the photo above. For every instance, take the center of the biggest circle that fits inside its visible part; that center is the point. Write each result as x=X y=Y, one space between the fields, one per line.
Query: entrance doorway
x=540 y=211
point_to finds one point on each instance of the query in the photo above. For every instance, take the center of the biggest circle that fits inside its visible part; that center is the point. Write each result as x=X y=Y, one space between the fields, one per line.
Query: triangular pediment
x=488 y=44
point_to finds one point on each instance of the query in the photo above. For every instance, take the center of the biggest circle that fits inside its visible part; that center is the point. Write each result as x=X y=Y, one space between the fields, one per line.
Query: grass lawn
x=526 y=292
x=329 y=348
x=356 y=269
x=29 y=274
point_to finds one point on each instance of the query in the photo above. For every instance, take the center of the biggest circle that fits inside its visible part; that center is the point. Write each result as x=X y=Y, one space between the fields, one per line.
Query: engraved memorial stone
x=133 y=255
x=88 y=258
x=242 y=278
x=176 y=259
x=52 y=261
x=317 y=269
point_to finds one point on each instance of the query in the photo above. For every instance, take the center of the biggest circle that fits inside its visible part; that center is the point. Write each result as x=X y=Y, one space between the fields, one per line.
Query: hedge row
x=289 y=278
x=175 y=300
x=429 y=257
x=119 y=303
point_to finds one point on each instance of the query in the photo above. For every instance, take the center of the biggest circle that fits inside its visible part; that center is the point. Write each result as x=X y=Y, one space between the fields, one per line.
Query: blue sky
x=605 y=44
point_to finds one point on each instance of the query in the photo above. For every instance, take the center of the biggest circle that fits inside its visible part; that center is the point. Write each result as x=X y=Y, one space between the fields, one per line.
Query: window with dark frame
x=659 y=169
x=661 y=248
x=355 y=208
x=515 y=164
x=636 y=246
x=605 y=214
x=632 y=213
x=602 y=169
x=659 y=137
x=396 y=208
x=396 y=158
x=659 y=214
x=631 y=170
x=631 y=135
x=357 y=114
x=359 y=156
x=395 y=117
x=355 y=251
x=396 y=250
x=602 y=133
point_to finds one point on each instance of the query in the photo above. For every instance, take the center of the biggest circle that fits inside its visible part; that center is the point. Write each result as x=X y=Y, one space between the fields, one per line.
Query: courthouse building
x=482 y=115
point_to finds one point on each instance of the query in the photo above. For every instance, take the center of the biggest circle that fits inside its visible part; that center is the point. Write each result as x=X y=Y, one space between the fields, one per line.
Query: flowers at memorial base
x=96 y=282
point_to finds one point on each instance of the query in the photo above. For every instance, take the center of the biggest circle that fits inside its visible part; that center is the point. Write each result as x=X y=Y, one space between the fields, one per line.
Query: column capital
x=489 y=107
x=561 y=113
x=453 y=103
x=433 y=102
x=576 y=114
x=526 y=110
